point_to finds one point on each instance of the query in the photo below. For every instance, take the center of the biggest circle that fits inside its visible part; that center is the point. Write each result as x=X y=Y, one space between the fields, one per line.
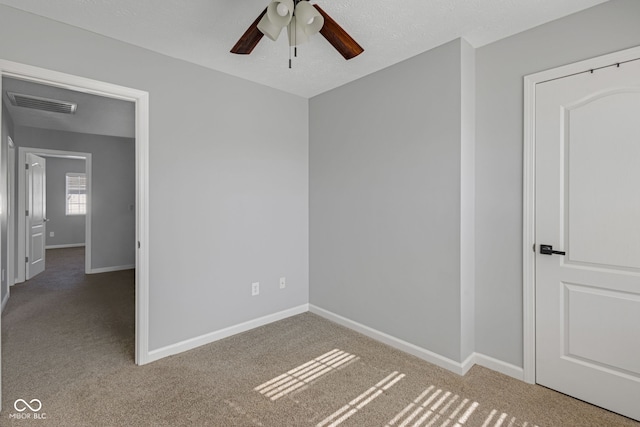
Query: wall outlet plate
x=283 y=282
x=255 y=288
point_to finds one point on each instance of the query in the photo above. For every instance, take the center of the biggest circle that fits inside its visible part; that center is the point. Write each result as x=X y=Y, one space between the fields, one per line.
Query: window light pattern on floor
x=436 y=404
x=361 y=401
x=304 y=374
x=503 y=420
x=435 y=407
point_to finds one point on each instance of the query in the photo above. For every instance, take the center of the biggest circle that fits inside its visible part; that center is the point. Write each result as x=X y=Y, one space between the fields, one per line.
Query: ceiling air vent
x=44 y=104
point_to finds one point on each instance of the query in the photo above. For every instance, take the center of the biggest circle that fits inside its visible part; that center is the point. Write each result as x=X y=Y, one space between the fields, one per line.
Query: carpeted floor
x=67 y=340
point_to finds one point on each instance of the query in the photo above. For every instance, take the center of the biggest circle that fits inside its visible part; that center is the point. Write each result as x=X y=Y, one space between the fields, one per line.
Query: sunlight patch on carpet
x=361 y=401
x=438 y=408
x=503 y=420
x=433 y=406
x=302 y=375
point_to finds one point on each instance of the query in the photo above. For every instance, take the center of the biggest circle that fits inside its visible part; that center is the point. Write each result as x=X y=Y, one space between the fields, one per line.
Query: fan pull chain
x=289 y=30
x=295 y=39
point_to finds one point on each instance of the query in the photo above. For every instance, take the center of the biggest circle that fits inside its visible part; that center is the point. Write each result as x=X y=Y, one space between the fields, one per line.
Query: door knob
x=548 y=250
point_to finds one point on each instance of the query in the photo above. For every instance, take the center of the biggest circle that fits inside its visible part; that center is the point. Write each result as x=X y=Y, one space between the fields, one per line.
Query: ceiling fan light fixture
x=302 y=20
x=282 y=9
x=268 y=28
x=297 y=35
x=273 y=21
x=308 y=18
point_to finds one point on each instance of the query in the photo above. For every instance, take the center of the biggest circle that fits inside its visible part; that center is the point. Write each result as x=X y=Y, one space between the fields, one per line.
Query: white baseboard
x=4 y=302
x=499 y=366
x=70 y=245
x=460 y=368
x=223 y=333
x=110 y=269
x=468 y=363
x=424 y=354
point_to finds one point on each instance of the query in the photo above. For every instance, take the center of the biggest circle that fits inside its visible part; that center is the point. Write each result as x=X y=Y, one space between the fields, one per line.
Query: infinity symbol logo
x=35 y=408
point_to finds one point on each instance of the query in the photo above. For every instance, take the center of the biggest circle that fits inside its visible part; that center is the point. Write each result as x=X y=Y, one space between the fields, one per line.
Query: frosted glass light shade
x=274 y=9
x=308 y=18
x=297 y=36
x=273 y=22
x=268 y=28
x=282 y=9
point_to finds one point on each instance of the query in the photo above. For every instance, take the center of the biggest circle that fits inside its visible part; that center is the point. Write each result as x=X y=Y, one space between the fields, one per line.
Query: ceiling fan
x=302 y=20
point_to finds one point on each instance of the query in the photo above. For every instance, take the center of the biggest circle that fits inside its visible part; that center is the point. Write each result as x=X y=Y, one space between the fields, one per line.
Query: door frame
x=141 y=100
x=22 y=188
x=11 y=216
x=529 y=202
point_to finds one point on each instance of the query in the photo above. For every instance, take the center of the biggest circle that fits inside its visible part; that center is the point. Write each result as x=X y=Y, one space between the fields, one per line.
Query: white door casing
x=36 y=214
x=11 y=214
x=587 y=204
x=141 y=100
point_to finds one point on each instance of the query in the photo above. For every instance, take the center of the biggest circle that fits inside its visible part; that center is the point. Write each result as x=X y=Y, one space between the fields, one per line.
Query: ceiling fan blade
x=250 y=38
x=338 y=37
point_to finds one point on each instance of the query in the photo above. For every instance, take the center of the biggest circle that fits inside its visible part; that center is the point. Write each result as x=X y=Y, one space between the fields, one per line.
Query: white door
x=36 y=215
x=588 y=205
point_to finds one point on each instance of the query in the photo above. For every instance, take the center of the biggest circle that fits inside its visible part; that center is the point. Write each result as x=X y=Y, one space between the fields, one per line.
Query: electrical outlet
x=283 y=282
x=255 y=288
x=52 y=234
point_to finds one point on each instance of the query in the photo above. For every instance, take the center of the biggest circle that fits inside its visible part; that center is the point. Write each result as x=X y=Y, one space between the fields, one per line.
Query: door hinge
x=26 y=212
x=138 y=245
x=26 y=166
x=26 y=259
x=534 y=247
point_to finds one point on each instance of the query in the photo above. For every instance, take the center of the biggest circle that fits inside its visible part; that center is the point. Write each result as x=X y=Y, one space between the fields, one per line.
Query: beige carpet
x=67 y=340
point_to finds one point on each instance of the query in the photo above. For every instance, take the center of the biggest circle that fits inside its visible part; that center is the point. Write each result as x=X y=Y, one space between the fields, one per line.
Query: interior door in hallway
x=588 y=209
x=36 y=215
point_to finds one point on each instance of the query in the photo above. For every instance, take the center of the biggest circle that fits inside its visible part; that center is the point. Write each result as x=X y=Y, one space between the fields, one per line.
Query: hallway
x=59 y=324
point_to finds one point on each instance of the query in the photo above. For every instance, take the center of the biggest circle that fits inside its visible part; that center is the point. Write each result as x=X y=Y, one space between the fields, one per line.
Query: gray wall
x=67 y=229
x=7 y=131
x=113 y=189
x=501 y=66
x=385 y=200
x=383 y=163
x=228 y=184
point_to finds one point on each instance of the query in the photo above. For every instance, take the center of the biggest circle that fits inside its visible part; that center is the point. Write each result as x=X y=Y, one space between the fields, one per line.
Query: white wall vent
x=44 y=104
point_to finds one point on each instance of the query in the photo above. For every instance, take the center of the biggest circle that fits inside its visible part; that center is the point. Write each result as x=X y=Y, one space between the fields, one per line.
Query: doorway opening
x=141 y=101
x=24 y=244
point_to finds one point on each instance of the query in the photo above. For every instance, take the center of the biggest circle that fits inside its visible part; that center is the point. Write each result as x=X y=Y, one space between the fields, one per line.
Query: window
x=76 y=194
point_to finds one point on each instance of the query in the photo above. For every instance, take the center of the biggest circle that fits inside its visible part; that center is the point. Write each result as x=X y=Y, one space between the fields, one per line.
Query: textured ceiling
x=203 y=31
x=96 y=114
